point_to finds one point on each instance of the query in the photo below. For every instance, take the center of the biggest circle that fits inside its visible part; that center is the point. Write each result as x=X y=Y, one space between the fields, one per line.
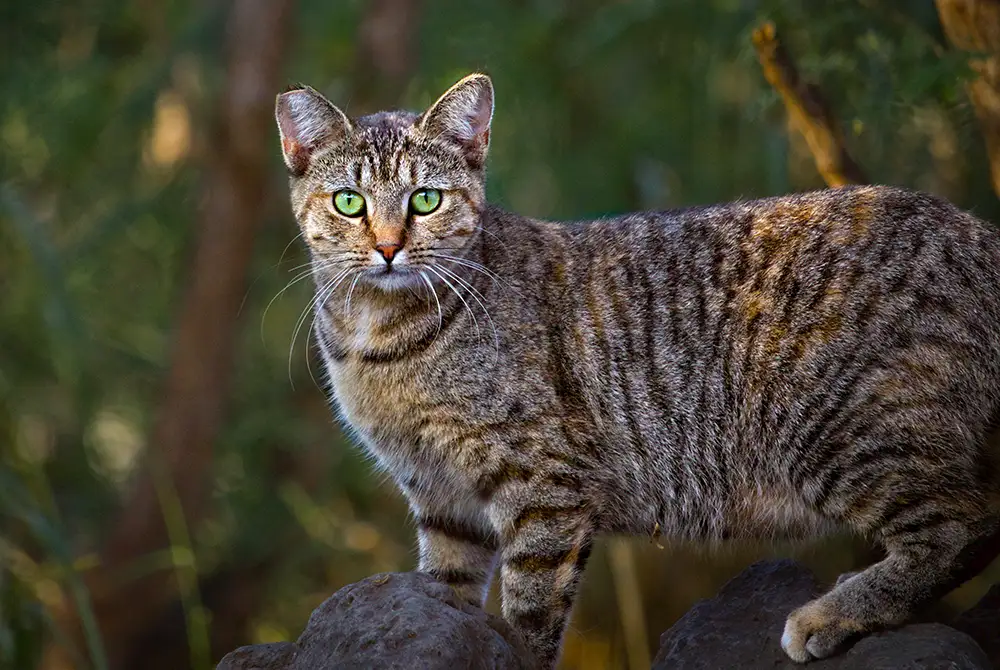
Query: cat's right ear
x=306 y=122
x=462 y=116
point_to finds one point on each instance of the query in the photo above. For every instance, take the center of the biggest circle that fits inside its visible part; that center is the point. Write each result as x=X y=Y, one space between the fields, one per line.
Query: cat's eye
x=425 y=201
x=349 y=203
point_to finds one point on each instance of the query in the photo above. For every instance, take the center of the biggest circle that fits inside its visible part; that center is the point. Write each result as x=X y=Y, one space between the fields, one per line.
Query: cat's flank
x=776 y=367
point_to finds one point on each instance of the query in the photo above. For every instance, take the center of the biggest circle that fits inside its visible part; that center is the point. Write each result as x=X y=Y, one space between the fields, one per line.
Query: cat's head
x=387 y=194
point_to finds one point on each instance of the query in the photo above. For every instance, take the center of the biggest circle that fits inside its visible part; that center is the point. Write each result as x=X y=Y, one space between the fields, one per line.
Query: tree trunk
x=197 y=383
x=384 y=59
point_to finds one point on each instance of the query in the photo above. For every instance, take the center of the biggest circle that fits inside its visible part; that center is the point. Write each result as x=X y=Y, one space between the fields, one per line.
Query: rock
x=741 y=628
x=917 y=646
x=742 y=624
x=982 y=622
x=409 y=620
x=274 y=656
x=396 y=620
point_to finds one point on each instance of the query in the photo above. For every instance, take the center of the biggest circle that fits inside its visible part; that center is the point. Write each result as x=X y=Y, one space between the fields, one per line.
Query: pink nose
x=388 y=250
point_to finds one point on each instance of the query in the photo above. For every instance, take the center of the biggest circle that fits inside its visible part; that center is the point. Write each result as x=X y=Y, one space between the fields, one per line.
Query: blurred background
x=172 y=482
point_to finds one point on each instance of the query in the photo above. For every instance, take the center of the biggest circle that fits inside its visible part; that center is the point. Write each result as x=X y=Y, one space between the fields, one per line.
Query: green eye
x=426 y=200
x=349 y=203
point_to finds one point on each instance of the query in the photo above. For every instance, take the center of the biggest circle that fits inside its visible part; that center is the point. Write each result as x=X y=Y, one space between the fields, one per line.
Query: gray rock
x=273 y=656
x=982 y=622
x=741 y=628
x=393 y=621
x=409 y=620
x=918 y=646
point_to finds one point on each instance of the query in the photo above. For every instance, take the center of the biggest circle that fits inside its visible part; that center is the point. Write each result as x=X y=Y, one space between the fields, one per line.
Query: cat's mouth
x=392 y=277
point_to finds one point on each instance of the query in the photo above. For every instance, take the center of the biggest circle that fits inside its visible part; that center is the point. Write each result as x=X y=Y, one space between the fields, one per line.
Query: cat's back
x=751 y=317
x=834 y=223
x=787 y=254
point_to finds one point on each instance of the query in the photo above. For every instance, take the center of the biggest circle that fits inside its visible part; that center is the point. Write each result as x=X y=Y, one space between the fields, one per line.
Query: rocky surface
x=741 y=628
x=393 y=621
x=982 y=622
x=408 y=620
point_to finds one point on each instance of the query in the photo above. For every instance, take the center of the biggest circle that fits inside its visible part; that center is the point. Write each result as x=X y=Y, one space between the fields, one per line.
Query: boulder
x=410 y=620
x=741 y=628
x=393 y=621
x=982 y=622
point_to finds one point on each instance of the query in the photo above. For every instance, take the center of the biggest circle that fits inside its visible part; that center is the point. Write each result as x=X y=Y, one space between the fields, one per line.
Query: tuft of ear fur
x=306 y=122
x=462 y=116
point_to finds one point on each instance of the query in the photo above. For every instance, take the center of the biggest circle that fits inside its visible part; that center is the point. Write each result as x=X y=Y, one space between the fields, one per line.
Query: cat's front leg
x=545 y=541
x=456 y=550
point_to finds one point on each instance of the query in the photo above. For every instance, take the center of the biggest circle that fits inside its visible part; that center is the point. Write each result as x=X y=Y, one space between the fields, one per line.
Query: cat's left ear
x=462 y=116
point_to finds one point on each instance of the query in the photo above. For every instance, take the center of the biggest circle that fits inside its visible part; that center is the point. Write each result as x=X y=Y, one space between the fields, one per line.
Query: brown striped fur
x=775 y=367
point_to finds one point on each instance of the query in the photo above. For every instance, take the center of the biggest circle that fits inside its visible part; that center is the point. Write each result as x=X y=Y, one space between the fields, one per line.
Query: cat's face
x=387 y=197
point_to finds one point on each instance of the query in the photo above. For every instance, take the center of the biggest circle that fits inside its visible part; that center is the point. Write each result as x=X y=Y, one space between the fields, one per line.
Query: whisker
x=322 y=295
x=454 y=290
x=288 y=246
x=433 y=293
x=339 y=256
x=294 y=281
x=311 y=333
x=347 y=303
x=301 y=319
x=261 y=274
x=321 y=304
x=494 y=236
x=476 y=295
x=472 y=265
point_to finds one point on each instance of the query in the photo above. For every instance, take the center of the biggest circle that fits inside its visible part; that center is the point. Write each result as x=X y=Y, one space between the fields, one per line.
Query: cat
x=779 y=367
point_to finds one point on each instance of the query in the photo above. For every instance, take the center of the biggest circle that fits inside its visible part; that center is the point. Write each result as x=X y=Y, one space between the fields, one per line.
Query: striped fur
x=769 y=368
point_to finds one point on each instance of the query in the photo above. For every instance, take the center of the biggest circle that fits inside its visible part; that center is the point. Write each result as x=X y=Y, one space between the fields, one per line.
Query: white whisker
x=479 y=298
x=430 y=284
x=339 y=256
x=472 y=265
x=322 y=295
x=350 y=292
x=288 y=246
x=494 y=236
x=454 y=290
x=294 y=281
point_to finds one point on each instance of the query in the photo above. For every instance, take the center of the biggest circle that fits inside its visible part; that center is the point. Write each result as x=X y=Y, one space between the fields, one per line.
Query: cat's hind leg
x=933 y=544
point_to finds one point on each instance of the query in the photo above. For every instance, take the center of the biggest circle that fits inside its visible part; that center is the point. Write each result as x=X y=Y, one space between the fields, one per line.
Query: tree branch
x=807 y=110
x=974 y=26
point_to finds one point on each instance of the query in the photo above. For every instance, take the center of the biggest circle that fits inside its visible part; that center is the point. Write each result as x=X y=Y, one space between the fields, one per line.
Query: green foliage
x=601 y=108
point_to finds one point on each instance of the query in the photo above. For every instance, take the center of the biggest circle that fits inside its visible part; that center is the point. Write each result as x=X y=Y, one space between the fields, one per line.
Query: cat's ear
x=306 y=122
x=462 y=115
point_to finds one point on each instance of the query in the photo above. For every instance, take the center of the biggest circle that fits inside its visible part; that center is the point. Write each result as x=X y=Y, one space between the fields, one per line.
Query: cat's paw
x=816 y=630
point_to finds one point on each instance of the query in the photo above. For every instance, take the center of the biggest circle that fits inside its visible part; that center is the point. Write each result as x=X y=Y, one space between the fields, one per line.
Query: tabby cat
x=770 y=368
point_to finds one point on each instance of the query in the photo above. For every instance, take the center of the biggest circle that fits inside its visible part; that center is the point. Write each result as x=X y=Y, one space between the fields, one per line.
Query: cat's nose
x=388 y=250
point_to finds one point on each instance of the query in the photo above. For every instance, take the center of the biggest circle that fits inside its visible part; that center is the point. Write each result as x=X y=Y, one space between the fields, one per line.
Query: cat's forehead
x=386 y=122
x=388 y=149
x=382 y=137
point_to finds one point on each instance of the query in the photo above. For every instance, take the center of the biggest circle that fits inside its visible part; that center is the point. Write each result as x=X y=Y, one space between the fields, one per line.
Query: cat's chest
x=382 y=403
x=410 y=430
